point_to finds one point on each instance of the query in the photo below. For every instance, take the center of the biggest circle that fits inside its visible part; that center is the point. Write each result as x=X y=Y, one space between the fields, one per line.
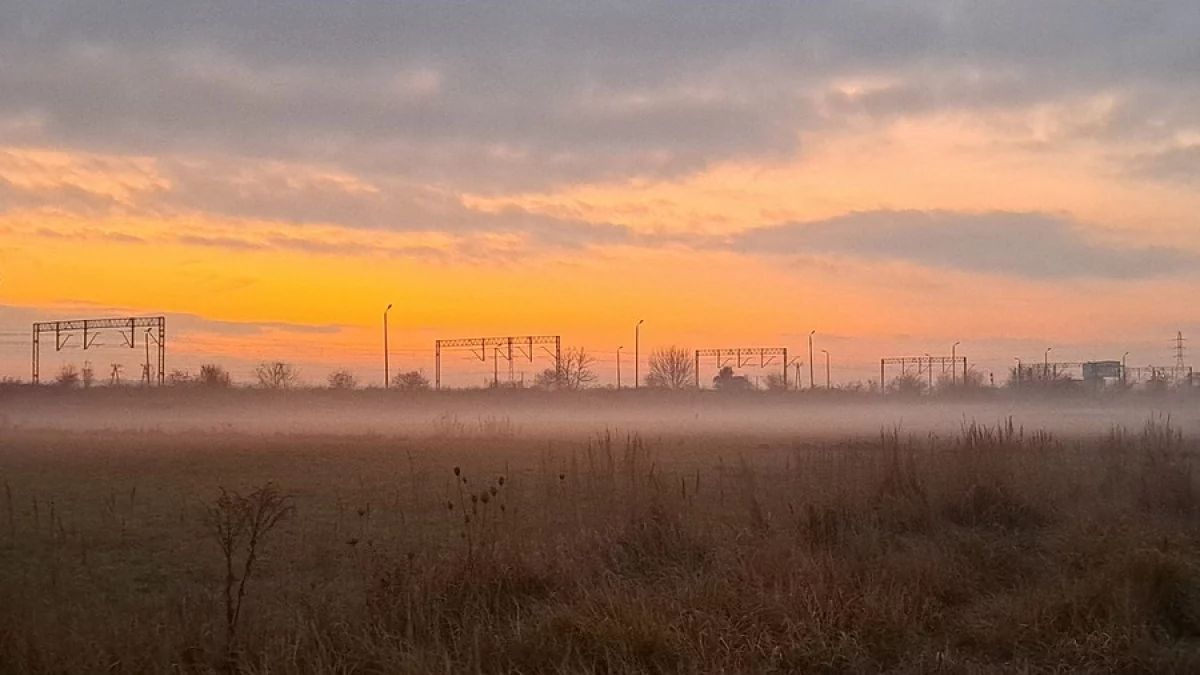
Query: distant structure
x=85 y=331
x=761 y=357
x=507 y=347
x=918 y=366
x=1101 y=374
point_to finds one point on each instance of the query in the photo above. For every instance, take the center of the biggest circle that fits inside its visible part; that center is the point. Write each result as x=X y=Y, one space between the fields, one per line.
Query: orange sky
x=893 y=208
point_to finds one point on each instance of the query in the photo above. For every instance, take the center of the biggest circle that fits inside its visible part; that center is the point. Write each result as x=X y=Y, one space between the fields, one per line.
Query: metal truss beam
x=88 y=330
x=509 y=346
x=743 y=356
x=924 y=365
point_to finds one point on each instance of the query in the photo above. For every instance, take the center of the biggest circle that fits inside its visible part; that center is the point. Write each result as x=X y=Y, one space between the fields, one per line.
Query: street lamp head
x=388 y=307
x=813 y=332
x=641 y=321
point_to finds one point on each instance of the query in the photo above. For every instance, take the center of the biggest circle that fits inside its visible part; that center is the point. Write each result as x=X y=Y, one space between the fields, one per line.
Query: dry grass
x=993 y=551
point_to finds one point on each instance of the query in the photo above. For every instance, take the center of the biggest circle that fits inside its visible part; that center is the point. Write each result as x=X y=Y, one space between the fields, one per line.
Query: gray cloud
x=294 y=197
x=1180 y=164
x=529 y=93
x=62 y=197
x=1029 y=245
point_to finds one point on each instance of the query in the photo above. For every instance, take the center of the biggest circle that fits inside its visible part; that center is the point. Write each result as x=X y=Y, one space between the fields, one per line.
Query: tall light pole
x=826 y=353
x=794 y=362
x=1046 y=365
x=1123 y=380
x=930 y=364
x=811 y=384
x=1019 y=375
x=954 y=365
x=387 y=374
x=637 y=353
x=619 y=367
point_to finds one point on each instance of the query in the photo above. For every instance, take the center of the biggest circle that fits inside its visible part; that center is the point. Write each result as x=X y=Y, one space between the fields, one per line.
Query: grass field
x=994 y=549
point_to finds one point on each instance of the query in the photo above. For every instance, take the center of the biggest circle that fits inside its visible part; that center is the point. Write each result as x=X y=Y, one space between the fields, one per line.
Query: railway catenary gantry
x=744 y=356
x=924 y=365
x=87 y=330
x=510 y=347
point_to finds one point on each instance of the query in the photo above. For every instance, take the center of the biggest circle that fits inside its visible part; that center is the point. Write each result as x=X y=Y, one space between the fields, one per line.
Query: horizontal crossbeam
x=485 y=342
x=99 y=324
x=756 y=351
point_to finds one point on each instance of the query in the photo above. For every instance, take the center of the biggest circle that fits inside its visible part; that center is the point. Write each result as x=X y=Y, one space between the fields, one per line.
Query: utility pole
x=954 y=365
x=619 y=368
x=827 y=380
x=387 y=374
x=811 y=383
x=146 y=338
x=637 y=353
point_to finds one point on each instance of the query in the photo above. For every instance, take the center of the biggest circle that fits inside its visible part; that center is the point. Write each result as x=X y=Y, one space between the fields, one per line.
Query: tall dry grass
x=994 y=550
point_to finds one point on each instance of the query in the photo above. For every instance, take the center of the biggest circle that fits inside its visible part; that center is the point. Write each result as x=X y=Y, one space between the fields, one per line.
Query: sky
x=897 y=176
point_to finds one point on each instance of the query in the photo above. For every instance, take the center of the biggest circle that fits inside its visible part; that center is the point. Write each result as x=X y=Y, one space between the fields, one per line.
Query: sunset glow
x=896 y=178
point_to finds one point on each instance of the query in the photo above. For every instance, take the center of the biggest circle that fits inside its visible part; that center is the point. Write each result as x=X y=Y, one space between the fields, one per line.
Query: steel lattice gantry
x=510 y=346
x=744 y=356
x=924 y=364
x=88 y=329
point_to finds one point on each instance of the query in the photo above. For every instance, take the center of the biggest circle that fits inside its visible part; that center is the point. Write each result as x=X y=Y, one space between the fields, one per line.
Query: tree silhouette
x=212 y=375
x=671 y=368
x=574 y=372
x=413 y=380
x=727 y=381
x=276 y=375
x=342 y=379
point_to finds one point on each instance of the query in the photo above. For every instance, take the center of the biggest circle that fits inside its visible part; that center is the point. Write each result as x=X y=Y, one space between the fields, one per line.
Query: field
x=474 y=547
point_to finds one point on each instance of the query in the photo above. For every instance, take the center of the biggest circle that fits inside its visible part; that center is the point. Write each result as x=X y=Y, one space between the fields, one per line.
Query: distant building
x=1100 y=374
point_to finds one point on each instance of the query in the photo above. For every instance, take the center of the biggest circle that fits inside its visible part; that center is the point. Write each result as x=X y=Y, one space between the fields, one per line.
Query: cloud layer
x=1026 y=245
x=527 y=93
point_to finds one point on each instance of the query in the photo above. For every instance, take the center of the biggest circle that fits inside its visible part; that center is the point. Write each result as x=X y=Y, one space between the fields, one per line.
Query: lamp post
x=811 y=384
x=954 y=365
x=1123 y=380
x=387 y=375
x=826 y=353
x=794 y=362
x=929 y=366
x=637 y=353
x=1046 y=365
x=619 y=367
x=1019 y=375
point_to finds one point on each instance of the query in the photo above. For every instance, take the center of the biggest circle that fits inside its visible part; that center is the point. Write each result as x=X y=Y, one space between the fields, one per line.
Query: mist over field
x=575 y=414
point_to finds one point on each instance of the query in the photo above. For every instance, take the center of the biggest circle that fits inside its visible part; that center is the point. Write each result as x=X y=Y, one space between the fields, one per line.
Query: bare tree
x=574 y=372
x=179 y=378
x=671 y=368
x=239 y=524
x=276 y=375
x=413 y=380
x=972 y=380
x=68 y=376
x=342 y=379
x=776 y=382
x=908 y=384
x=212 y=375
